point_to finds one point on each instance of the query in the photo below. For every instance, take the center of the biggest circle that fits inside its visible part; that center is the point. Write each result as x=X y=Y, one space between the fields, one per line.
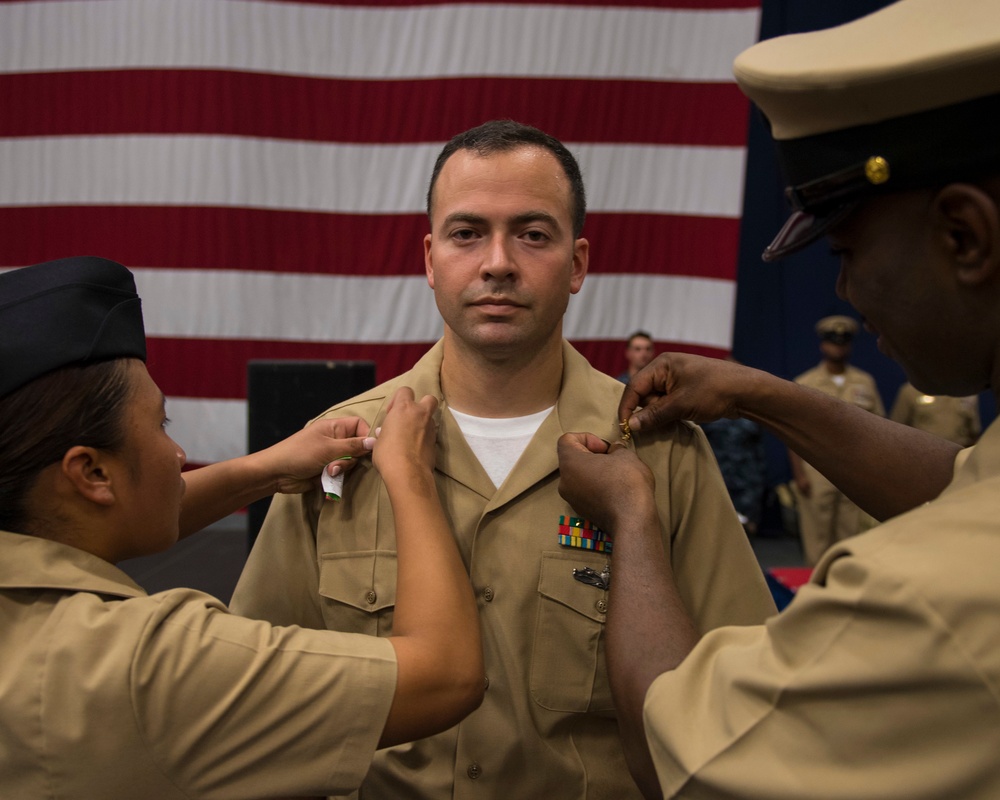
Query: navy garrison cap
x=70 y=312
x=904 y=98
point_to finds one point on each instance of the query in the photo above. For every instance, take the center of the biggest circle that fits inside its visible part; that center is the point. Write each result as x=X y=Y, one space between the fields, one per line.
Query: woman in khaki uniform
x=108 y=692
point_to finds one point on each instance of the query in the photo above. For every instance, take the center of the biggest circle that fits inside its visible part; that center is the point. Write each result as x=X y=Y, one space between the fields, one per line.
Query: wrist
x=635 y=520
x=408 y=474
x=253 y=472
x=755 y=395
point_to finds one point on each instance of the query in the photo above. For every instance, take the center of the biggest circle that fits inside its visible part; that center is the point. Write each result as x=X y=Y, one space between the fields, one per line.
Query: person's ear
x=89 y=472
x=428 y=264
x=969 y=232
x=581 y=262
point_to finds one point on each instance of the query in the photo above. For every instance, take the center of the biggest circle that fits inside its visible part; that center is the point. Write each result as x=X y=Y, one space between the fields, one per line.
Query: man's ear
x=428 y=265
x=88 y=471
x=581 y=262
x=969 y=232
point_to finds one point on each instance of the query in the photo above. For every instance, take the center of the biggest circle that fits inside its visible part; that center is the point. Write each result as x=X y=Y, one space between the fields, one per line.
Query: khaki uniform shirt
x=546 y=728
x=953 y=418
x=858 y=387
x=107 y=693
x=826 y=515
x=880 y=679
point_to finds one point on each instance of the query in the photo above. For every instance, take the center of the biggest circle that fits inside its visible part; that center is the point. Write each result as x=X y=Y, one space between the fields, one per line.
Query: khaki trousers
x=826 y=516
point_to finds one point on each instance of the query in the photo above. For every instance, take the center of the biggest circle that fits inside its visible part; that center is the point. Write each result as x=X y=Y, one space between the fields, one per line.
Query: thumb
x=657 y=414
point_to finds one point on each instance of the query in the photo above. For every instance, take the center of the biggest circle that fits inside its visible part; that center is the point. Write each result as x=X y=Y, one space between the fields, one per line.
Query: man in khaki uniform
x=953 y=418
x=503 y=257
x=880 y=678
x=825 y=514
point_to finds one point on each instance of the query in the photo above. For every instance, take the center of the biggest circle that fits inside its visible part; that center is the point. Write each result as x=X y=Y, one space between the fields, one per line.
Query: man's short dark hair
x=636 y=335
x=505 y=135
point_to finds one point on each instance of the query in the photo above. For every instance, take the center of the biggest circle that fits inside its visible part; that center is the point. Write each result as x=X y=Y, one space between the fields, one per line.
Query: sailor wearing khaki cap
x=825 y=513
x=880 y=678
x=905 y=98
x=837 y=329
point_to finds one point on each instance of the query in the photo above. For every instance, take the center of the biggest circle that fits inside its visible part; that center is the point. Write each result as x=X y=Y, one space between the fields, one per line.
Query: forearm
x=649 y=632
x=884 y=467
x=435 y=621
x=217 y=490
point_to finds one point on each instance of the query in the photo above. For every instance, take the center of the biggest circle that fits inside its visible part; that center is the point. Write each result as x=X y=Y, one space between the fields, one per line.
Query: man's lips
x=496 y=305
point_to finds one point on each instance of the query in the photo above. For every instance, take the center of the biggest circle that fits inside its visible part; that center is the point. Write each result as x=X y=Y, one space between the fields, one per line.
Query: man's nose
x=499 y=262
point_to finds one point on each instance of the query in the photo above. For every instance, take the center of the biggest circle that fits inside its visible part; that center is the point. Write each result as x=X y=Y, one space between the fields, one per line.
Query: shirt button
x=602 y=606
x=371 y=597
x=474 y=771
x=488 y=594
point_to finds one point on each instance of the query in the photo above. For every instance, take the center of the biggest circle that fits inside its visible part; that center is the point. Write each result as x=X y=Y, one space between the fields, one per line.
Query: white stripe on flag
x=695 y=311
x=376 y=43
x=216 y=304
x=230 y=304
x=342 y=178
x=208 y=430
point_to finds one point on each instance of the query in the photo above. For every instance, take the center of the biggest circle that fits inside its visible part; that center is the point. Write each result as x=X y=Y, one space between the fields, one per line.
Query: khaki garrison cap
x=906 y=97
x=837 y=329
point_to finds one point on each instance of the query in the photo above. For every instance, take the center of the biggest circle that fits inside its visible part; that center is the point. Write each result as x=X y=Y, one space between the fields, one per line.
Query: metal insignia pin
x=626 y=430
x=591 y=577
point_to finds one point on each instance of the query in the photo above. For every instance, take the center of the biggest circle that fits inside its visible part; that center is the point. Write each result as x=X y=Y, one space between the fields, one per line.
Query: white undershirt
x=498 y=443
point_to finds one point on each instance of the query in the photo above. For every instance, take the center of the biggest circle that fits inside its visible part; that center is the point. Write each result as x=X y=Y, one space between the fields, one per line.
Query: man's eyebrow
x=520 y=219
x=535 y=216
x=464 y=216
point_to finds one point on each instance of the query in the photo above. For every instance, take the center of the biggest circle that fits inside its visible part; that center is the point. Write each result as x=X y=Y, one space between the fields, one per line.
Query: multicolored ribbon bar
x=582 y=533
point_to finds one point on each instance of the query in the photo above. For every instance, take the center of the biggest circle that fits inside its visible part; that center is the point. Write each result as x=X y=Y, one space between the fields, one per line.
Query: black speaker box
x=282 y=396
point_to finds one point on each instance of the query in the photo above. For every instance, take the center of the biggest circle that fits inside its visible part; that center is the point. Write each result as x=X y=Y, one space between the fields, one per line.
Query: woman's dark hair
x=42 y=420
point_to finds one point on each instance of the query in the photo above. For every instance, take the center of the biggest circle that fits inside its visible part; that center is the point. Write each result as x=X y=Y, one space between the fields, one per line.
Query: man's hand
x=676 y=386
x=603 y=483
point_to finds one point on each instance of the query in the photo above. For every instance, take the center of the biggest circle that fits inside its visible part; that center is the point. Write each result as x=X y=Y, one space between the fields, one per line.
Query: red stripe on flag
x=320 y=109
x=183 y=237
x=222 y=363
x=608 y=355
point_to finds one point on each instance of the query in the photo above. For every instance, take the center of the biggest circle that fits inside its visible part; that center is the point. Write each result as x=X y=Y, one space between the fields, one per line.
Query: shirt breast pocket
x=568 y=671
x=358 y=591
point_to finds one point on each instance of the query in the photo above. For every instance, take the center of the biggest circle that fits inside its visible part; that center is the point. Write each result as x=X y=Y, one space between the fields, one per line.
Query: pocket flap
x=556 y=581
x=365 y=579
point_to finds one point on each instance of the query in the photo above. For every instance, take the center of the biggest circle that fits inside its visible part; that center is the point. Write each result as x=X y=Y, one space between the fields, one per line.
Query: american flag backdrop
x=261 y=166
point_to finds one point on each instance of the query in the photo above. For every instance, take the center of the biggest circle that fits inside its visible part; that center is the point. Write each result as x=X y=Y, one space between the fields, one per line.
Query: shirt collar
x=30 y=562
x=981 y=461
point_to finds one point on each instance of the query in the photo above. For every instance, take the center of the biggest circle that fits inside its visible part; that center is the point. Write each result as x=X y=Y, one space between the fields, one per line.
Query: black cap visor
x=802 y=229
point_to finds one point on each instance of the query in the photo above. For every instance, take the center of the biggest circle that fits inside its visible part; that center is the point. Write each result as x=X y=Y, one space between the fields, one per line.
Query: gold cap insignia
x=877 y=170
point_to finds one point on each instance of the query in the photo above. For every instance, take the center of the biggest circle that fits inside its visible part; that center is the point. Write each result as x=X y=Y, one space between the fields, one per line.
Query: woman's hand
x=407 y=436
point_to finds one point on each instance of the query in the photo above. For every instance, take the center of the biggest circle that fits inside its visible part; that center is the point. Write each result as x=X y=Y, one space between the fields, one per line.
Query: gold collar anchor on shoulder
x=626 y=430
